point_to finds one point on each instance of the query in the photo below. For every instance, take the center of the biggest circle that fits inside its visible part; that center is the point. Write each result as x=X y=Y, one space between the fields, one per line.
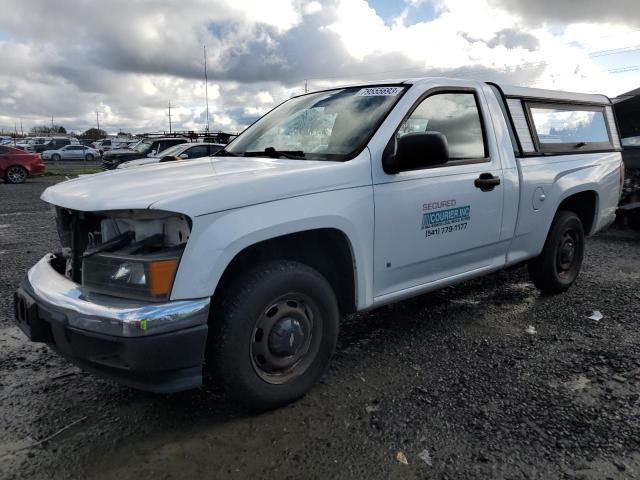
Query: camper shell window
x=569 y=128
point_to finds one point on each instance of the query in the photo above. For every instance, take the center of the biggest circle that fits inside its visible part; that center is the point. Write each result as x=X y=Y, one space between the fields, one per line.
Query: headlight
x=131 y=276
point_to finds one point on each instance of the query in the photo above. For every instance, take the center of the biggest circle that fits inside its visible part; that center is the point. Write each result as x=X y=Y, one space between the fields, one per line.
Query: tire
x=272 y=334
x=88 y=157
x=558 y=266
x=16 y=174
x=55 y=157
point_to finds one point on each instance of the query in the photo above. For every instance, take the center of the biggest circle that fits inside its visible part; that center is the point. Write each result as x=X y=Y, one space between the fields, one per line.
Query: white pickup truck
x=334 y=202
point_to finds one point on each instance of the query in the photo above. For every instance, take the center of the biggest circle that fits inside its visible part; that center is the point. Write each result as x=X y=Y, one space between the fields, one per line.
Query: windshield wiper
x=273 y=153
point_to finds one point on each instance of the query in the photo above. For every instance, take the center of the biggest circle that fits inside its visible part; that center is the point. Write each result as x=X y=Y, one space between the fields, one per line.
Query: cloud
x=129 y=58
x=574 y=11
x=512 y=38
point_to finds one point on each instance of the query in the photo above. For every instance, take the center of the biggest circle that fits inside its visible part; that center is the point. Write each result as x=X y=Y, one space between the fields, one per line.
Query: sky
x=127 y=59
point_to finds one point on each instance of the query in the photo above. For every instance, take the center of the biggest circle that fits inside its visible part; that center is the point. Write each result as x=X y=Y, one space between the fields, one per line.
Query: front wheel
x=55 y=157
x=558 y=266
x=273 y=332
x=89 y=157
x=16 y=174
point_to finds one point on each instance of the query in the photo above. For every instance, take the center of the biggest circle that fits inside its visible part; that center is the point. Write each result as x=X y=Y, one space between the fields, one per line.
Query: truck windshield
x=332 y=125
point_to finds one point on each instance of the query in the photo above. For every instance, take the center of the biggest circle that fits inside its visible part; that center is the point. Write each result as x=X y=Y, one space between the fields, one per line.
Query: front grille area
x=77 y=230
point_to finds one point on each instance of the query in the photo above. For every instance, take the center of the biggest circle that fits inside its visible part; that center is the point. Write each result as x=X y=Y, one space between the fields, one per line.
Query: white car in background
x=183 y=151
x=71 y=152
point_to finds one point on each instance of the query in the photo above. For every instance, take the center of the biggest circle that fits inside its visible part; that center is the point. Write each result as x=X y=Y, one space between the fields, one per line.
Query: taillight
x=621 y=177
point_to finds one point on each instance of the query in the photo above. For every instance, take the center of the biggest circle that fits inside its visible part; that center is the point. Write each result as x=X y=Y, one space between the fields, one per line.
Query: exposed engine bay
x=121 y=250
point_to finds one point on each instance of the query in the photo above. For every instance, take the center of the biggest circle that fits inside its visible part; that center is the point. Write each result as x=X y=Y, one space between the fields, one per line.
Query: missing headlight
x=125 y=253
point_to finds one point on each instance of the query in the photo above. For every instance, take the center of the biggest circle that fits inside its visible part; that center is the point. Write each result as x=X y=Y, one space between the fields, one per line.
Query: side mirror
x=168 y=158
x=414 y=151
x=183 y=156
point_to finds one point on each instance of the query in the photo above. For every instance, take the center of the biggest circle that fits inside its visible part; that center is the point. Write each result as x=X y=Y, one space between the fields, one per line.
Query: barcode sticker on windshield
x=379 y=92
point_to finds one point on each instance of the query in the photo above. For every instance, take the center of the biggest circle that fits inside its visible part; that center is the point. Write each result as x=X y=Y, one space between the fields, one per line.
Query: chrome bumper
x=109 y=315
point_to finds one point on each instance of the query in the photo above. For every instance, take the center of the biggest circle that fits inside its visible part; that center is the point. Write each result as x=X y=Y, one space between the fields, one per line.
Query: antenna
x=305 y=87
x=206 y=85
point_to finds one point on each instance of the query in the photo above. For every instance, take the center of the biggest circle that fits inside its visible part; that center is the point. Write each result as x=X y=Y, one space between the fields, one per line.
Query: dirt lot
x=452 y=377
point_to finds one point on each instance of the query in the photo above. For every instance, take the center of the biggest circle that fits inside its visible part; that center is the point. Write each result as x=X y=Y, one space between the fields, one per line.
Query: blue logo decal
x=445 y=217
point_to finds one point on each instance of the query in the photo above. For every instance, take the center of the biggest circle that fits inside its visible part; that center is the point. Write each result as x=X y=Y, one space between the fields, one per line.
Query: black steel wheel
x=286 y=339
x=558 y=266
x=16 y=174
x=272 y=333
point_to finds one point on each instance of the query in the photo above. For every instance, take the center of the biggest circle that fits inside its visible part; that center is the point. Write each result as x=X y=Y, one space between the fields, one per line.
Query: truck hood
x=207 y=185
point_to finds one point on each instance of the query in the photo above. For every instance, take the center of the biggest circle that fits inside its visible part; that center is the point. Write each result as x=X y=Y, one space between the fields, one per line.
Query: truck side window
x=456 y=116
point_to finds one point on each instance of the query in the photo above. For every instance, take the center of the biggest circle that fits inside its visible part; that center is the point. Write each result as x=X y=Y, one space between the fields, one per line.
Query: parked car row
x=22 y=160
x=55 y=143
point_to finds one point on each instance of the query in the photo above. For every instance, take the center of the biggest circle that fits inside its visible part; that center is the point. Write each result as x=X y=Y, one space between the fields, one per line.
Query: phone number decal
x=446 y=229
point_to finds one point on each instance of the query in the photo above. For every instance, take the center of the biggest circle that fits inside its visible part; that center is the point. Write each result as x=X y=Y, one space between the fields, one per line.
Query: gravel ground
x=451 y=382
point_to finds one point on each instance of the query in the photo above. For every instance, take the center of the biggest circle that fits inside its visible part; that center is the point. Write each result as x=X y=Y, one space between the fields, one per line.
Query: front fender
x=217 y=238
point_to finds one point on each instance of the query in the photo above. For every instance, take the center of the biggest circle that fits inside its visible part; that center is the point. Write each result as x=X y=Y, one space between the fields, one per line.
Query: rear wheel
x=558 y=266
x=55 y=157
x=89 y=157
x=16 y=174
x=273 y=334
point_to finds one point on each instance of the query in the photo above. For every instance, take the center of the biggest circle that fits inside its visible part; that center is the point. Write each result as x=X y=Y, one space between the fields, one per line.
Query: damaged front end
x=104 y=301
x=125 y=253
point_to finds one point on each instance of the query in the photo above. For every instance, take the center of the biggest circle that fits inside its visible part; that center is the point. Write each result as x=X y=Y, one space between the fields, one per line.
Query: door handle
x=486 y=182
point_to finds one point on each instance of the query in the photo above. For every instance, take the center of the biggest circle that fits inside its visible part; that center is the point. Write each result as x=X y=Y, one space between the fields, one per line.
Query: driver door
x=434 y=223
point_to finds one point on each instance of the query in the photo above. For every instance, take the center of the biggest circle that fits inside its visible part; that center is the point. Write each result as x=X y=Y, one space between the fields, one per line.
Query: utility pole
x=169 y=117
x=51 y=123
x=98 y=121
x=21 y=130
x=305 y=87
x=206 y=85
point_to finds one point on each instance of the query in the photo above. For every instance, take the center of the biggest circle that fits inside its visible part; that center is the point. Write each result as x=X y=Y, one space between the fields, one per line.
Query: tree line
x=90 y=134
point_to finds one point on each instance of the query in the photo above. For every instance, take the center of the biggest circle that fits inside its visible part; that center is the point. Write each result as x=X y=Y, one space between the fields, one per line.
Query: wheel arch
x=584 y=204
x=328 y=250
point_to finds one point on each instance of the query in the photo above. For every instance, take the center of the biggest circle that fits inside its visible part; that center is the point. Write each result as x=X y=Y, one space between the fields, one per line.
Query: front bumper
x=154 y=347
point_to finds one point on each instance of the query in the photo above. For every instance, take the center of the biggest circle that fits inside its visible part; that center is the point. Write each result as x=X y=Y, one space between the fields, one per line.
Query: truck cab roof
x=507 y=89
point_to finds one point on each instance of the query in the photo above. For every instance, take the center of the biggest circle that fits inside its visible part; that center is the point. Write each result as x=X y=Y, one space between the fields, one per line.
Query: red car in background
x=16 y=165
